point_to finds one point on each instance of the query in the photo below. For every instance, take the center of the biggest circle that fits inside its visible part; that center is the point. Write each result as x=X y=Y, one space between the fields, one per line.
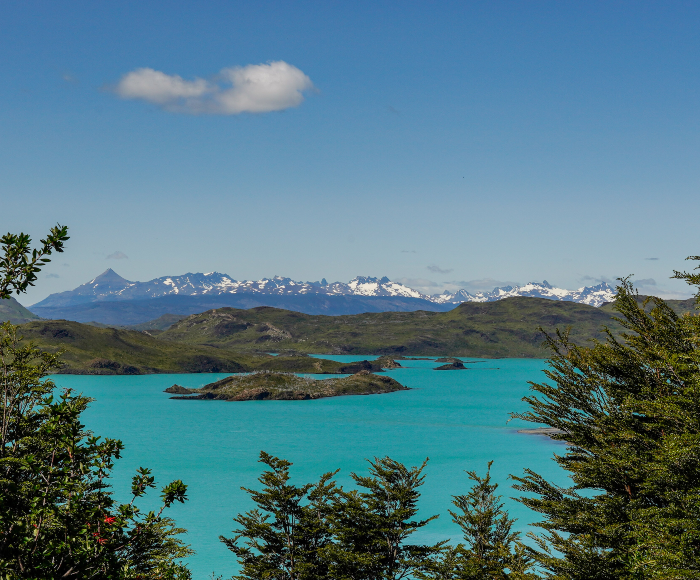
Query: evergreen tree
x=319 y=531
x=284 y=537
x=371 y=527
x=492 y=550
x=629 y=409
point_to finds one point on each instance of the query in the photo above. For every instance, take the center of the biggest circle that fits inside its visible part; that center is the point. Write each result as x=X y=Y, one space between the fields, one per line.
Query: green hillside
x=13 y=311
x=507 y=328
x=232 y=340
x=92 y=350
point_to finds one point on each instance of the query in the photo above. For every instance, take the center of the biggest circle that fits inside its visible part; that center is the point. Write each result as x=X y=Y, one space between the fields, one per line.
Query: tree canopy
x=58 y=516
x=629 y=410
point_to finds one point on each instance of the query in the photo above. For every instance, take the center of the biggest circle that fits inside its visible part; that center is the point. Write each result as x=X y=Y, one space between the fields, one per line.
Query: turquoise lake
x=458 y=419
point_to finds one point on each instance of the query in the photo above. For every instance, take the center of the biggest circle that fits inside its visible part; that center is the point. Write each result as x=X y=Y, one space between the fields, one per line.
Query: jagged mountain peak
x=109 y=276
x=592 y=295
x=109 y=286
x=369 y=280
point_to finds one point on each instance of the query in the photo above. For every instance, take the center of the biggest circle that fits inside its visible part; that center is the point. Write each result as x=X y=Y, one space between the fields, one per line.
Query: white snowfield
x=111 y=286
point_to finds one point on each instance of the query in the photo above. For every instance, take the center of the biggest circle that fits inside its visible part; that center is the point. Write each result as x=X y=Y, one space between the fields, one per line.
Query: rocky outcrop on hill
x=178 y=390
x=386 y=362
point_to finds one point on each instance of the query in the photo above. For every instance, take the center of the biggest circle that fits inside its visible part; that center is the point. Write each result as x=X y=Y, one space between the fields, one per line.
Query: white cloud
x=157 y=87
x=255 y=88
x=118 y=256
x=437 y=270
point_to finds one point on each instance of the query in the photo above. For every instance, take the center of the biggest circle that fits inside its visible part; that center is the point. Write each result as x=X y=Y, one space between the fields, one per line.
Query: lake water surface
x=456 y=418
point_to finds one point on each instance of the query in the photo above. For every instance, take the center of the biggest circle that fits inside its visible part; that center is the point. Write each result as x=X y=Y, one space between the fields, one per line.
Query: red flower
x=110 y=520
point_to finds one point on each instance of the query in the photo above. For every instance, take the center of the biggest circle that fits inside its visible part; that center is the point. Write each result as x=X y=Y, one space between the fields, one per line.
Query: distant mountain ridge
x=109 y=286
x=591 y=295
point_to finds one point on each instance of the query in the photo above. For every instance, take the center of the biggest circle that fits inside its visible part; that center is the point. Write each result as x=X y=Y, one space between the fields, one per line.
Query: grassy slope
x=507 y=328
x=13 y=311
x=93 y=350
x=230 y=340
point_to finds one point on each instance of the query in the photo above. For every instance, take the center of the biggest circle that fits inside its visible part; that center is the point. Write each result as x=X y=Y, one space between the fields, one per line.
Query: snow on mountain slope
x=110 y=286
x=591 y=295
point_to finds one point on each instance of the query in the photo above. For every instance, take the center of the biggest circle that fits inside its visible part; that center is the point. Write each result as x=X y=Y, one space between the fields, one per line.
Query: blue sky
x=442 y=144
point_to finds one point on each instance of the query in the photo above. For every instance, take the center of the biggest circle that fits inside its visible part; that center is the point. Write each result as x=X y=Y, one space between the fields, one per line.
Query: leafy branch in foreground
x=58 y=518
x=57 y=515
x=319 y=531
x=371 y=526
x=19 y=264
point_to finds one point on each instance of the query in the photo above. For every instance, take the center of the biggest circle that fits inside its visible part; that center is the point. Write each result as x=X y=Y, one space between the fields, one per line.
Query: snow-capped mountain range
x=591 y=295
x=109 y=286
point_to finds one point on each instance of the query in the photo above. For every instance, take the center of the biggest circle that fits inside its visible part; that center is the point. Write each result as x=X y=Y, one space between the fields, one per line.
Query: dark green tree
x=58 y=518
x=285 y=536
x=492 y=550
x=629 y=409
x=319 y=531
x=371 y=526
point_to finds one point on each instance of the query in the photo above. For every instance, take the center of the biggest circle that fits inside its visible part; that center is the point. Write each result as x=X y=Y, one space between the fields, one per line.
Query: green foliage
x=57 y=514
x=58 y=518
x=285 y=536
x=492 y=551
x=372 y=525
x=19 y=264
x=629 y=409
x=320 y=531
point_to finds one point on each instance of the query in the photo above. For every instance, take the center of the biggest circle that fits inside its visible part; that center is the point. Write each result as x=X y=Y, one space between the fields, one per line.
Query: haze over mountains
x=111 y=299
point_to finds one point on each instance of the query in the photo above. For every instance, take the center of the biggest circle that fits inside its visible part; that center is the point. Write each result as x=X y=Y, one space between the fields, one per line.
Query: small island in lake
x=277 y=386
x=454 y=366
x=386 y=362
